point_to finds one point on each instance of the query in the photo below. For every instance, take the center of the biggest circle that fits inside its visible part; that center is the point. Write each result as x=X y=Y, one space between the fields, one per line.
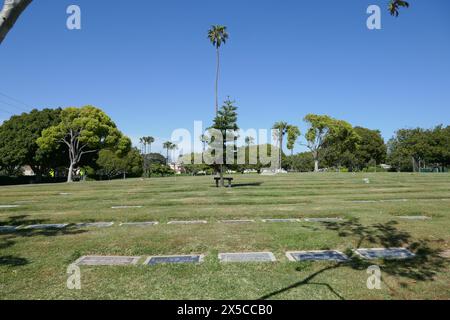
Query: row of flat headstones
x=152 y=223
x=242 y=257
x=11 y=206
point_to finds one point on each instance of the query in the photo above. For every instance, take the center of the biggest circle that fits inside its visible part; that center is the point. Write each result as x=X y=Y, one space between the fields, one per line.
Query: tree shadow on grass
x=423 y=267
x=250 y=184
x=12 y=261
x=17 y=221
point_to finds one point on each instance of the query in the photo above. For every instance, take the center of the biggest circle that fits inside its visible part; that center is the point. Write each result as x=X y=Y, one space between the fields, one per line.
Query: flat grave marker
x=95 y=224
x=385 y=253
x=247 y=257
x=5 y=229
x=192 y=258
x=316 y=255
x=236 y=221
x=281 y=220
x=139 y=224
x=445 y=254
x=9 y=206
x=106 y=261
x=324 y=219
x=46 y=226
x=394 y=200
x=414 y=217
x=188 y=222
x=126 y=207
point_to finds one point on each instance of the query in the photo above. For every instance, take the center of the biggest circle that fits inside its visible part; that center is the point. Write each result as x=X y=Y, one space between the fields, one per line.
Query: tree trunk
x=222 y=182
x=9 y=15
x=217 y=81
x=316 y=165
x=292 y=159
x=281 y=150
x=70 y=174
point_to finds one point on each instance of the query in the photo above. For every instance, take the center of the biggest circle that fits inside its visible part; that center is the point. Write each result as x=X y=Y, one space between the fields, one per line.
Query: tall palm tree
x=149 y=141
x=142 y=143
x=169 y=146
x=204 y=140
x=217 y=35
x=249 y=141
x=281 y=128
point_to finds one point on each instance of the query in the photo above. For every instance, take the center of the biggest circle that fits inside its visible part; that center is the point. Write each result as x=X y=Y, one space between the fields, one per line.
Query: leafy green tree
x=161 y=170
x=371 y=147
x=412 y=149
x=340 y=146
x=301 y=162
x=84 y=130
x=293 y=133
x=18 y=145
x=218 y=35
x=112 y=164
x=225 y=122
x=327 y=133
x=155 y=158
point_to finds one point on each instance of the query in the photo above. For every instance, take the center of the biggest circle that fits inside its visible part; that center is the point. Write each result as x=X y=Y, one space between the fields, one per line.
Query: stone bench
x=217 y=179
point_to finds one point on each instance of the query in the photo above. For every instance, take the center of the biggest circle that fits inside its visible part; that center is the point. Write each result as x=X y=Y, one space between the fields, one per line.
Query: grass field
x=33 y=263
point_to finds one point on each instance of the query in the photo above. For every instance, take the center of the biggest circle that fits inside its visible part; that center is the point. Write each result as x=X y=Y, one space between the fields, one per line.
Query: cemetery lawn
x=33 y=264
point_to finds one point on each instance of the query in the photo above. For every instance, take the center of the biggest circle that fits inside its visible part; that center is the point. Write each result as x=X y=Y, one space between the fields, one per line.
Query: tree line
x=62 y=142
x=332 y=145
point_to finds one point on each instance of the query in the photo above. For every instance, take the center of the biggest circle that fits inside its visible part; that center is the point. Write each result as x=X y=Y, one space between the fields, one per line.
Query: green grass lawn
x=33 y=263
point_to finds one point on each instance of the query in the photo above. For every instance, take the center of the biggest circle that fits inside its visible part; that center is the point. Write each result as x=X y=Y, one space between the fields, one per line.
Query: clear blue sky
x=149 y=65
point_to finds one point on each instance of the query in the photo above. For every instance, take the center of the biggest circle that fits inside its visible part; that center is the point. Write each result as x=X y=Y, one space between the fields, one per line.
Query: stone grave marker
x=188 y=222
x=281 y=220
x=324 y=219
x=316 y=255
x=385 y=253
x=236 y=221
x=154 y=260
x=106 y=261
x=95 y=224
x=46 y=226
x=139 y=224
x=247 y=257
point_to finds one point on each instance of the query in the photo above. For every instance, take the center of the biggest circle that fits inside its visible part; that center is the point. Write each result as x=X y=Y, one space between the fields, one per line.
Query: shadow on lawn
x=423 y=267
x=9 y=239
x=12 y=261
x=250 y=184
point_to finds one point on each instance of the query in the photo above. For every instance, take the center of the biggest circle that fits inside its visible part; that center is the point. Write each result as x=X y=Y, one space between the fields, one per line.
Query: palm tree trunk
x=281 y=150
x=217 y=81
